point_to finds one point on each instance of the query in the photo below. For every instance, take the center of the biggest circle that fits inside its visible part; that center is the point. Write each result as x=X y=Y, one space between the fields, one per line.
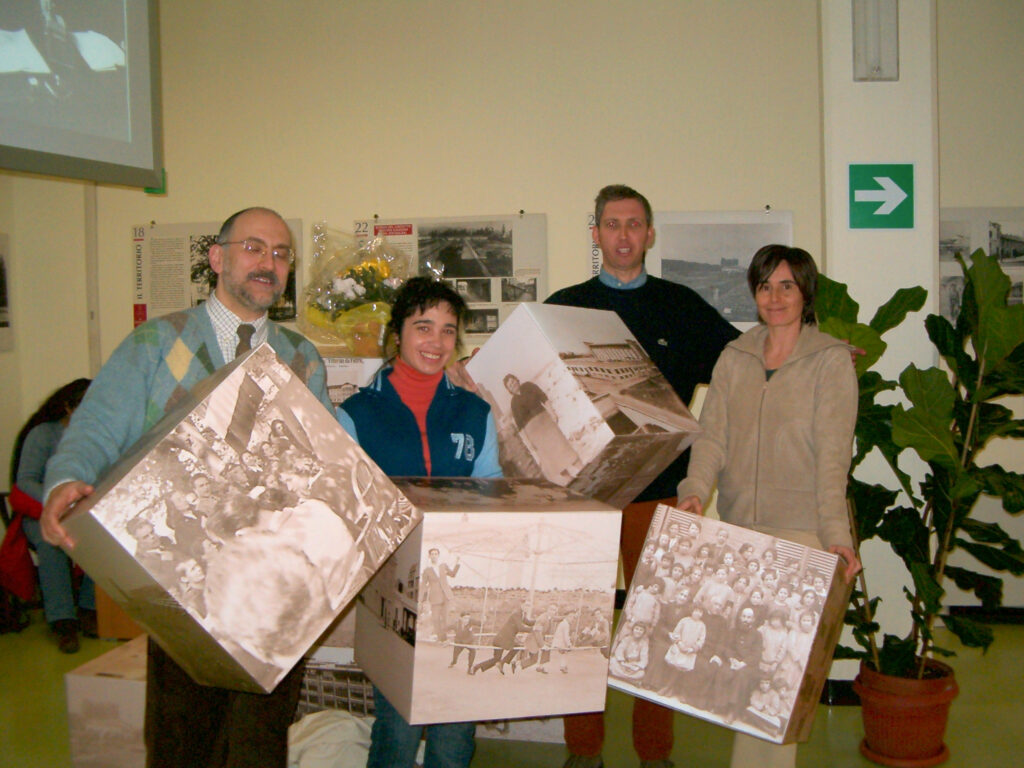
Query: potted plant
x=946 y=418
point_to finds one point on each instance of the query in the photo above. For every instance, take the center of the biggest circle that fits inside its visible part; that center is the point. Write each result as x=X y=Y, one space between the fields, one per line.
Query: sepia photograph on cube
x=577 y=401
x=720 y=622
x=455 y=250
x=256 y=515
x=496 y=597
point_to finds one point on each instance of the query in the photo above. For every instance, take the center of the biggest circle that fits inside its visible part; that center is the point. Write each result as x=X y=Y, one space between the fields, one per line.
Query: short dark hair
x=418 y=294
x=229 y=223
x=801 y=263
x=614 y=192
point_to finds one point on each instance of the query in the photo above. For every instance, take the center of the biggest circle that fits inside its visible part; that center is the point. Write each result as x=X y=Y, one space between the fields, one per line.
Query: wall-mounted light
x=876 y=40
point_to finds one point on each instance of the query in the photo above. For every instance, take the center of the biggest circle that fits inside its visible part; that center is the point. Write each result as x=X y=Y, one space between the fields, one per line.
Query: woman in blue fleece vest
x=411 y=420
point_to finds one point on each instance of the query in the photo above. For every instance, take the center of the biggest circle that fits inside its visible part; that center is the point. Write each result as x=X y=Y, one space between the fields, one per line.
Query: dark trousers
x=457 y=651
x=194 y=725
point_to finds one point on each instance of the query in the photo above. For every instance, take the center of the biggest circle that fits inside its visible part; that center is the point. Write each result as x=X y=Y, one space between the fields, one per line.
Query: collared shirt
x=225 y=325
x=607 y=278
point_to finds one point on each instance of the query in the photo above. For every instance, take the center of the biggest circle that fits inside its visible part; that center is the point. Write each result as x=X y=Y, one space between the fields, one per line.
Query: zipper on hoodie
x=757 y=452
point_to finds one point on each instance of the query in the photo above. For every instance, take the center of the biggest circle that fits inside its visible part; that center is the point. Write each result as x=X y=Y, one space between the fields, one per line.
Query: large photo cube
x=730 y=625
x=578 y=402
x=498 y=605
x=240 y=526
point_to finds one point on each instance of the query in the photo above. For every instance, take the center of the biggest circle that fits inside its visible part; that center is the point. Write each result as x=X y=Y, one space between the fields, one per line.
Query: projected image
x=64 y=64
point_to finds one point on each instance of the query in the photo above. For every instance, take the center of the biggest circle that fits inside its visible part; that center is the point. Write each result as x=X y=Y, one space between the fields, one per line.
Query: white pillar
x=882 y=123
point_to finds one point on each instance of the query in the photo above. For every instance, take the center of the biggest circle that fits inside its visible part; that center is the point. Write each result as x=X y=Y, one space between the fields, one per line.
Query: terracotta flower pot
x=905 y=719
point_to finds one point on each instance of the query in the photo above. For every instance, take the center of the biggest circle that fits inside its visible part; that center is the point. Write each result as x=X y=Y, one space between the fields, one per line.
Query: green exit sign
x=882 y=196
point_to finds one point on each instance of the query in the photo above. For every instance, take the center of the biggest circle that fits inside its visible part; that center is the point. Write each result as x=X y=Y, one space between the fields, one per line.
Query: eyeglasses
x=258 y=248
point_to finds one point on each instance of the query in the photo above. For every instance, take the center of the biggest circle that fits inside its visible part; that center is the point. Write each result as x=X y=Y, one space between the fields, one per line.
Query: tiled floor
x=986 y=727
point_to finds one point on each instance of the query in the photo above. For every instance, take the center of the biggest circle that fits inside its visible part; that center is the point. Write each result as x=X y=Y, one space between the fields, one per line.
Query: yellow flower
x=380 y=265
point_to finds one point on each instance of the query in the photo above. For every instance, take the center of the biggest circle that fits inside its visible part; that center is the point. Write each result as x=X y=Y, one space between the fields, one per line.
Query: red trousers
x=652 y=723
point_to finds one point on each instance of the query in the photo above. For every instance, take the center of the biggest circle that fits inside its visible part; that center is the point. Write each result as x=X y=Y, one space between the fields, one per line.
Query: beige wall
x=408 y=108
x=981 y=107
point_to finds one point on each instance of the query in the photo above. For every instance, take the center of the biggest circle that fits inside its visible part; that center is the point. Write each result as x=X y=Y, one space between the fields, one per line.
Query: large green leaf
x=1008 y=558
x=943 y=336
x=874 y=425
x=904 y=530
x=1006 y=377
x=1000 y=331
x=871 y=384
x=869 y=504
x=897 y=656
x=986 y=533
x=926 y=588
x=929 y=389
x=952 y=347
x=877 y=433
x=925 y=433
x=895 y=310
x=967 y=318
x=1000 y=327
x=988 y=589
x=970 y=633
x=858 y=335
x=846 y=652
x=832 y=299
x=994 y=420
x=926 y=426
x=1004 y=485
x=963 y=490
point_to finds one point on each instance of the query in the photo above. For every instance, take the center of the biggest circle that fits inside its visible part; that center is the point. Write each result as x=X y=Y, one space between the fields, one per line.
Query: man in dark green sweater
x=683 y=335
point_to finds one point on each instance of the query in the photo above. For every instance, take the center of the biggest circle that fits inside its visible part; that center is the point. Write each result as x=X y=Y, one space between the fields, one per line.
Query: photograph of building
x=577 y=399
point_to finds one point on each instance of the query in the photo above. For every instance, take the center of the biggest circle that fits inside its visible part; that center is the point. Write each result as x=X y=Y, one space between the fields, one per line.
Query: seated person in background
x=34 y=445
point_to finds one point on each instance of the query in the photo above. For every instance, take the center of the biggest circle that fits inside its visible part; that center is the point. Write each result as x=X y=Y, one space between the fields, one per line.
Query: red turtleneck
x=416 y=390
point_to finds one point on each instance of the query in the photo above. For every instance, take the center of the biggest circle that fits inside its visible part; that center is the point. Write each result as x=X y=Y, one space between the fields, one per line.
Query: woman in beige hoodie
x=778 y=431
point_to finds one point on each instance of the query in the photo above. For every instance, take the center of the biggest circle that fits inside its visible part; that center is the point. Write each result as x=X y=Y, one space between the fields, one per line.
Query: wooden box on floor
x=111 y=622
x=743 y=639
x=239 y=527
x=487 y=610
x=578 y=401
x=106 y=700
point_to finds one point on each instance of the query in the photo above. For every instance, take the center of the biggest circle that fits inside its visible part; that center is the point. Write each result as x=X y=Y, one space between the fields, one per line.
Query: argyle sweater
x=156 y=366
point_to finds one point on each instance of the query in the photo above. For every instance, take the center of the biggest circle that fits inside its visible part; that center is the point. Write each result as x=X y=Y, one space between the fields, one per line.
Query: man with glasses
x=155 y=367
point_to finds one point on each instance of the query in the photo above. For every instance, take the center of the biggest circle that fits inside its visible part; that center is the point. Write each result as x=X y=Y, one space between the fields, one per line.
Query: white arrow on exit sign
x=890 y=195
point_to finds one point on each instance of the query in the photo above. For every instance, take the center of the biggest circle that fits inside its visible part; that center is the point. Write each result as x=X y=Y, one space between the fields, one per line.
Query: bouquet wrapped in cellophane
x=347 y=304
